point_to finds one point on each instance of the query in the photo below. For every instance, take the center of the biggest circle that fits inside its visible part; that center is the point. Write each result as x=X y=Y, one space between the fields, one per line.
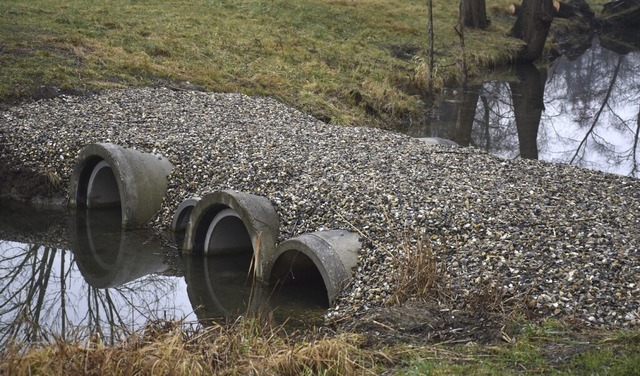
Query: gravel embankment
x=565 y=238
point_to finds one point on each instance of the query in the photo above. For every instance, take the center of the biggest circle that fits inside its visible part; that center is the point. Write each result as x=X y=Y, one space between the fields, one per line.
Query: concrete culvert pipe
x=108 y=174
x=180 y=219
x=181 y=216
x=333 y=254
x=437 y=141
x=229 y=221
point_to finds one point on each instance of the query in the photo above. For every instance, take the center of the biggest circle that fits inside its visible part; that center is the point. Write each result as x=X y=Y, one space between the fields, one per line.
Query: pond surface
x=584 y=112
x=81 y=276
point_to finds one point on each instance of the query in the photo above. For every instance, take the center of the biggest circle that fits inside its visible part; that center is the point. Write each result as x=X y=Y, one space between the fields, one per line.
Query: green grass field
x=358 y=62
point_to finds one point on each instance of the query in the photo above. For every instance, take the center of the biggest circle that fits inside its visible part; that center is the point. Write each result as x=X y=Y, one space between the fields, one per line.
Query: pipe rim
x=180 y=219
x=222 y=218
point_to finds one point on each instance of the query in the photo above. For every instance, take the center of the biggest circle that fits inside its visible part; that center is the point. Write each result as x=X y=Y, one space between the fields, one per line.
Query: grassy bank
x=253 y=347
x=345 y=61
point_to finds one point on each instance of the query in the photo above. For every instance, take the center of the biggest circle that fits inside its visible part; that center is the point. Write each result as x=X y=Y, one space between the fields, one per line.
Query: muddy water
x=584 y=112
x=80 y=276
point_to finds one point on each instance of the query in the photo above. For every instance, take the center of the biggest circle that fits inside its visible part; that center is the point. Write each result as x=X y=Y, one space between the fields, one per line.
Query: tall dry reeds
x=420 y=271
x=247 y=346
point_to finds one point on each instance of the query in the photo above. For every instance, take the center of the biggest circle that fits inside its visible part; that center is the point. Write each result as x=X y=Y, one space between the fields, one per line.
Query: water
x=584 y=112
x=80 y=277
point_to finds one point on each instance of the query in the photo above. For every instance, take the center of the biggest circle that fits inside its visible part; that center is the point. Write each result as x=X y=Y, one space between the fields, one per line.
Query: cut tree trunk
x=620 y=31
x=568 y=9
x=474 y=13
x=573 y=9
x=532 y=26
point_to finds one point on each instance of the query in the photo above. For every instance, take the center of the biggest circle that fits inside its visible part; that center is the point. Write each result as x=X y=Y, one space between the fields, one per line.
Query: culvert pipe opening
x=295 y=274
x=181 y=219
x=102 y=187
x=331 y=253
x=251 y=223
x=227 y=233
x=108 y=175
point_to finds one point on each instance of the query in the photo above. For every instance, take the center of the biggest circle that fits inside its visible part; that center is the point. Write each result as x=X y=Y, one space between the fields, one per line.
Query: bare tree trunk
x=460 y=30
x=532 y=26
x=634 y=150
x=474 y=13
x=573 y=8
x=431 y=47
x=622 y=12
x=485 y=122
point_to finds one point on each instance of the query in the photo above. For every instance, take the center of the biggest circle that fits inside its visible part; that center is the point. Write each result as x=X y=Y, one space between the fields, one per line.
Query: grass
x=252 y=346
x=547 y=348
x=344 y=61
x=245 y=347
x=421 y=273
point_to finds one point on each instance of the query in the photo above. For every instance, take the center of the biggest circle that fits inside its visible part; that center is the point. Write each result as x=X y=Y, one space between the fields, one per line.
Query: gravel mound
x=563 y=240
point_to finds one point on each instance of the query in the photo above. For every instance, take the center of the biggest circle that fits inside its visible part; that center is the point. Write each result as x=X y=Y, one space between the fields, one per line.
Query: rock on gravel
x=563 y=240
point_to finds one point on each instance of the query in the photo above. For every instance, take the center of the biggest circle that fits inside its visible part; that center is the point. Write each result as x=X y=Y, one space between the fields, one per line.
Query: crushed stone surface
x=563 y=241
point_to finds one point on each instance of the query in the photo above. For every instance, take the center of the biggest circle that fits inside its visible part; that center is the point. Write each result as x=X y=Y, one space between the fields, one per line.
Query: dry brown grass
x=245 y=347
x=421 y=272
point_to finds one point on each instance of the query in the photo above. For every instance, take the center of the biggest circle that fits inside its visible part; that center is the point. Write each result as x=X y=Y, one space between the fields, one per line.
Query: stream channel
x=79 y=275
x=75 y=276
x=583 y=111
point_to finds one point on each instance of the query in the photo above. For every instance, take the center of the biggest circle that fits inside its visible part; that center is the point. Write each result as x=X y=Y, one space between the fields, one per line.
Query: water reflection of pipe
x=107 y=255
x=221 y=287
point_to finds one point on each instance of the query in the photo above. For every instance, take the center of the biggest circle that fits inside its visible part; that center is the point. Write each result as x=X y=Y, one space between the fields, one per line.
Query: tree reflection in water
x=50 y=293
x=44 y=296
x=112 y=282
x=589 y=117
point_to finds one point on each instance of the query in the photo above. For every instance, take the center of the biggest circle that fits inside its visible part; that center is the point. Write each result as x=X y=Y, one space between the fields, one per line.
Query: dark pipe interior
x=183 y=220
x=201 y=228
x=181 y=226
x=295 y=272
x=230 y=236
x=83 y=180
x=102 y=188
x=104 y=193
